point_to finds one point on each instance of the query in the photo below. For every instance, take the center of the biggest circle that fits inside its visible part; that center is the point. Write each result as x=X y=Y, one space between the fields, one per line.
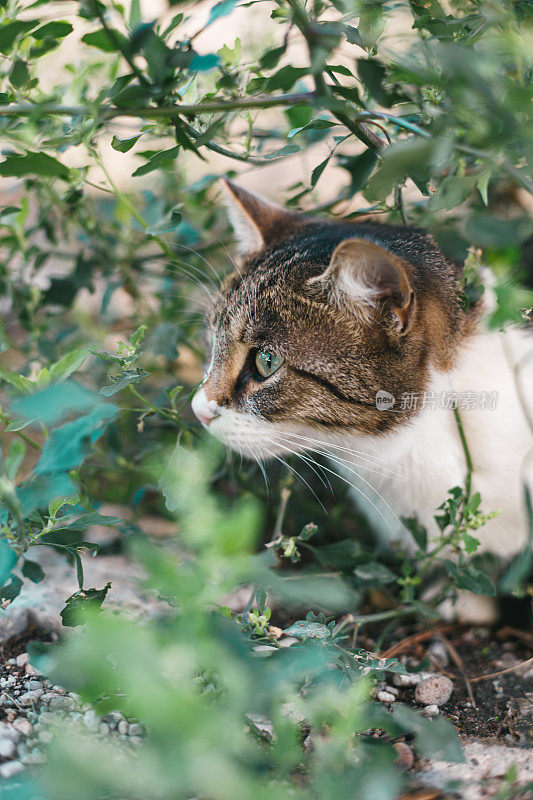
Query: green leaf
x=135 y=14
x=403 y=158
x=18 y=166
x=517 y=572
x=9 y=31
x=32 y=570
x=110 y=41
x=67 y=446
x=220 y=9
x=169 y=223
x=38 y=492
x=123 y=380
x=8 y=559
x=20 y=382
x=124 y=145
x=57 y=503
x=270 y=58
x=285 y=78
x=80 y=603
x=471 y=578
x=56 y=30
x=360 y=168
x=374 y=573
x=55 y=402
x=94 y=518
x=372 y=75
x=486 y=230
x=156 y=161
x=318 y=170
x=308 y=630
x=352 y=35
x=313 y=125
x=453 y=190
x=470 y=542
x=69 y=363
x=434 y=738
x=11 y=589
x=19 y=73
x=418 y=532
x=14 y=458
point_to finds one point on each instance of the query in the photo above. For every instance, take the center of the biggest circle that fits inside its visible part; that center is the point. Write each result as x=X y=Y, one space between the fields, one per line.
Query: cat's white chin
x=251 y=436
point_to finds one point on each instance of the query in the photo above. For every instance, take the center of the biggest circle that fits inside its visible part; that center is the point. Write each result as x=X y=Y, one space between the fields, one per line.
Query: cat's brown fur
x=338 y=353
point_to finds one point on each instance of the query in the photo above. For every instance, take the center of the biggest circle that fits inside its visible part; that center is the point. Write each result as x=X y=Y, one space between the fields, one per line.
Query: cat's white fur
x=409 y=472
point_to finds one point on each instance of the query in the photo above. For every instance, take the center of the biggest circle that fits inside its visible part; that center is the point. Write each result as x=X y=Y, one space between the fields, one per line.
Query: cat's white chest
x=406 y=474
x=409 y=473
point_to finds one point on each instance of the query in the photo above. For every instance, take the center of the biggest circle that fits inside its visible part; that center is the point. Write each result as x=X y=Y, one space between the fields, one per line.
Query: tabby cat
x=351 y=340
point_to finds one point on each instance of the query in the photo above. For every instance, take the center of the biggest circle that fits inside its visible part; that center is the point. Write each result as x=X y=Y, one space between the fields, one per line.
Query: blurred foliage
x=420 y=113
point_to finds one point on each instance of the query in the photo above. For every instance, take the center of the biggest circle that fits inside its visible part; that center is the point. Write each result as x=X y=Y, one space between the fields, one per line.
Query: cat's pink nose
x=205 y=410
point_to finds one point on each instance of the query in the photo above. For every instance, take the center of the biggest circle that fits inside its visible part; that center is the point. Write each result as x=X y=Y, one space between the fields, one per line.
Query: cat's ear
x=257 y=222
x=362 y=276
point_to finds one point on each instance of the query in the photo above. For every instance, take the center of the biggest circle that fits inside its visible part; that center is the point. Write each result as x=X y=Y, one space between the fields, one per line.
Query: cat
x=351 y=340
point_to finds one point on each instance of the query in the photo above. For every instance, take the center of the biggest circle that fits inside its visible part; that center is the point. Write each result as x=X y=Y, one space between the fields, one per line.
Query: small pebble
x=436 y=690
x=31 y=685
x=7 y=747
x=30 y=698
x=112 y=719
x=8 y=732
x=61 y=703
x=123 y=727
x=385 y=697
x=406 y=680
x=104 y=728
x=90 y=720
x=392 y=690
x=438 y=653
x=405 y=756
x=22 y=659
x=45 y=736
x=136 y=729
x=287 y=641
x=10 y=768
x=23 y=725
x=431 y=711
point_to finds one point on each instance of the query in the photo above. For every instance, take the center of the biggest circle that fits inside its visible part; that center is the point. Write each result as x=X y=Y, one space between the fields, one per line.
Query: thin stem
x=25 y=438
x=156 y=112
x=118 y=46
x=285 y=495
x=468 y=457
x=322 y=90
x=161 y=412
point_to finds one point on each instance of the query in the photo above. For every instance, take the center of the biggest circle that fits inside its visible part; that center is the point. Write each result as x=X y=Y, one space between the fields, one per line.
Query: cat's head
x=318 y=318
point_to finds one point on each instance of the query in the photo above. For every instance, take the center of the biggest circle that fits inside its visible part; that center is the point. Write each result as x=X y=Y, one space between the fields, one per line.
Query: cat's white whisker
x=306 y=457
x=298 y=475
x=204 y=259
x=378 y=469
x=324 y=480
x=361 y=454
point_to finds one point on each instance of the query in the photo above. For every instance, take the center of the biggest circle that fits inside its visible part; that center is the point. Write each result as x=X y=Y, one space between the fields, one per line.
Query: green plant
x=200 y=688
x=104 y=280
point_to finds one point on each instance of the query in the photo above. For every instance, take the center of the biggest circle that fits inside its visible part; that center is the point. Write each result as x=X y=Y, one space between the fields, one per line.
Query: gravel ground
x=29 y=703
x=494 y=717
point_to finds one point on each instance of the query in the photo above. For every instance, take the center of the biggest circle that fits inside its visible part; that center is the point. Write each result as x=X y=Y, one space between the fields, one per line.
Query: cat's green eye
x=267 y=363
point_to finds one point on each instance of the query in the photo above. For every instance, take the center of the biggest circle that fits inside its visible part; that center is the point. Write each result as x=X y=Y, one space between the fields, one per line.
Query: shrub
x=435 y=131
